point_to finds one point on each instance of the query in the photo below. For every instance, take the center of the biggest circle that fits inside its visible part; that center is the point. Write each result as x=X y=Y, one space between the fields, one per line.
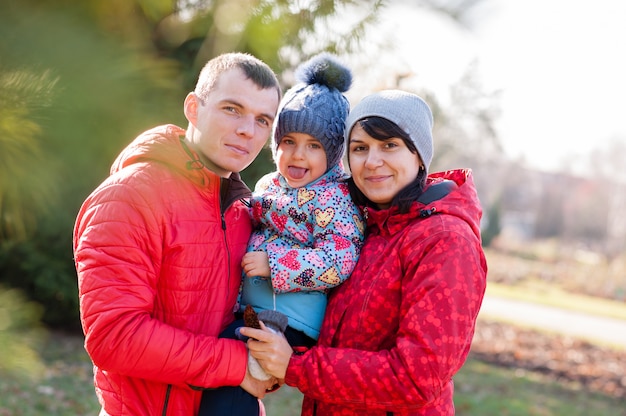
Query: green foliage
x=42 y=267
x=20 y=335
x=282 y=33
x=100 y=93
x=25 y=189
x=482 y=389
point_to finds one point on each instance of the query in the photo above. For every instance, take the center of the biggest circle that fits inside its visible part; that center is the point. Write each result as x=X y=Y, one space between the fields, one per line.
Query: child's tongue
x=296 y=173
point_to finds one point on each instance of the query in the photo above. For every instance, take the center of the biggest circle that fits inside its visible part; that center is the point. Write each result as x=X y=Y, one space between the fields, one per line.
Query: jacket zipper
x=167 y=399
x=227 y=251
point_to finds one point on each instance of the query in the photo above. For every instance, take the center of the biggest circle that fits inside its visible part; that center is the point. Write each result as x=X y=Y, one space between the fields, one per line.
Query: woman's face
x=380 y=169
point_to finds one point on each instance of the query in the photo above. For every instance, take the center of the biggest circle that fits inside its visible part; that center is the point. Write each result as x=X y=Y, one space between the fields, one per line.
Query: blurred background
x=529 y=95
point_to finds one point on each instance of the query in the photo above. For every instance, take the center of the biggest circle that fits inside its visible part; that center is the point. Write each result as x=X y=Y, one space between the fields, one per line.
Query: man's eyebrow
x=269 y=116
x=231 y=102
x=236 y=103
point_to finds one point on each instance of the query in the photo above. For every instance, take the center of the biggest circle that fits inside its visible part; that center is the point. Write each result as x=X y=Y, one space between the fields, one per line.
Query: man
x=158 y=247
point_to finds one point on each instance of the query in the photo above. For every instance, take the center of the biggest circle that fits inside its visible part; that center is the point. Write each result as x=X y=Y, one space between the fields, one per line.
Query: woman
x=398 y=330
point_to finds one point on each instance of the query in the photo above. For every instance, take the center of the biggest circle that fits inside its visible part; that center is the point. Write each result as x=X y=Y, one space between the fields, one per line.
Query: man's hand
x=257 y=388
x=256 y=263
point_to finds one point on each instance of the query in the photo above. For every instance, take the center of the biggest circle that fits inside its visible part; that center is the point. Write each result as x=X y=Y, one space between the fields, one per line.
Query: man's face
x=232 y=124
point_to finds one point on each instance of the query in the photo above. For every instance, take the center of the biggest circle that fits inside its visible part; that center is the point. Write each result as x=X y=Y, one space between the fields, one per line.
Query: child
x=308 y=233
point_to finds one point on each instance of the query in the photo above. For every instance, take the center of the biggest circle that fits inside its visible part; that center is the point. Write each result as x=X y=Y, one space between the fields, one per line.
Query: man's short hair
x=255 y=70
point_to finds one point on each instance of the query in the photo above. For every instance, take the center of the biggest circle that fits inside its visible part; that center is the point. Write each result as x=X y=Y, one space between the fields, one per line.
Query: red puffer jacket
x=158 y=261
x=400 y=327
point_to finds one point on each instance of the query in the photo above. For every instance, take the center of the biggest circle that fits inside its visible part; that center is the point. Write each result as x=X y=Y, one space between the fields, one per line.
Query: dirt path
x=595 y=329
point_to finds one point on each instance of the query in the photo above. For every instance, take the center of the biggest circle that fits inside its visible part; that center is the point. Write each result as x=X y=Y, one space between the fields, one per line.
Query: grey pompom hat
x=407 y=110
x=316 y=106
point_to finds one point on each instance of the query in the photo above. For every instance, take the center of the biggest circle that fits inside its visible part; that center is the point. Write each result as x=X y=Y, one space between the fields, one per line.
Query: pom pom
x=325 y=69
x=274 y=320
x=250 y=318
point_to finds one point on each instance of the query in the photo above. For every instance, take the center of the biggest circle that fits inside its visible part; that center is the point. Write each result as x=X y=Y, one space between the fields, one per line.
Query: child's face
x=301 y=159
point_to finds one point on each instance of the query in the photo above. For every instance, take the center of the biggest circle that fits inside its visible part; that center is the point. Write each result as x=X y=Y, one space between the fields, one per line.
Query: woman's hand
x=271 y=350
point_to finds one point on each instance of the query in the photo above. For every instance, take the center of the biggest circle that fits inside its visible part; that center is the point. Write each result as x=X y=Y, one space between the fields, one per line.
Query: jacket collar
x=461 y=201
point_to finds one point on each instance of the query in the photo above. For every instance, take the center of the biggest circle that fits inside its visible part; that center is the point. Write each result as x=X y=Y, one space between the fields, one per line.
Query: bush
x=42 y=267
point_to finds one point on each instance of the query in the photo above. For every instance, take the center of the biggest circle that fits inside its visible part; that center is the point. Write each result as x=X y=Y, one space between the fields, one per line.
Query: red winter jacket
x=400 y=327
x=158 y=261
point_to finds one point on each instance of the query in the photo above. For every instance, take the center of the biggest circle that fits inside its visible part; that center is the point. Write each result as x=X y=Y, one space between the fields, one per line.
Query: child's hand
x=256 y=263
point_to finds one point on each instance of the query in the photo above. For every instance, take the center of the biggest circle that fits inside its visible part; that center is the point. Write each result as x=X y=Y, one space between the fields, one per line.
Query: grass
x=485 y=390
x=64 y=388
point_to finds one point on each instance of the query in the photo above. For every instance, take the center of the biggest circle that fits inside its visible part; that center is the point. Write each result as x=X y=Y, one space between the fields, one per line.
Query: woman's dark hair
x=382 y=129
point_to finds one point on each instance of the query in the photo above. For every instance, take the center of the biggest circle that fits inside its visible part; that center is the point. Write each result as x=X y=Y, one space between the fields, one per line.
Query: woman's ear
x=190 y=108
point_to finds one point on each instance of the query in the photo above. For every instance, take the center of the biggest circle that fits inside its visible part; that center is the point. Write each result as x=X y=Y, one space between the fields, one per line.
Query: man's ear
x=190 y=108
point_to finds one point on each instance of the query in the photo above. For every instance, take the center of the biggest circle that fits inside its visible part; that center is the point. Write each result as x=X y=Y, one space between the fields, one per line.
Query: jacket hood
x=161 y=144
x=461 y=202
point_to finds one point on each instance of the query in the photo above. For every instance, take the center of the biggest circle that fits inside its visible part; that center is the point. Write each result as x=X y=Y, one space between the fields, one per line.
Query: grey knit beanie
x=407 y=110
x=316 y=106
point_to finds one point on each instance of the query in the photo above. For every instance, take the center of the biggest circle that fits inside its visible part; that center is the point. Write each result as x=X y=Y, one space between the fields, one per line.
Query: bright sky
x=560 y=65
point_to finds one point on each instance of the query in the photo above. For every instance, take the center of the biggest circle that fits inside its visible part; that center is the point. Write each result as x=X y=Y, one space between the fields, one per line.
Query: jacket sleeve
x=337 y=241
x=118 y=250
x=442 y=290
